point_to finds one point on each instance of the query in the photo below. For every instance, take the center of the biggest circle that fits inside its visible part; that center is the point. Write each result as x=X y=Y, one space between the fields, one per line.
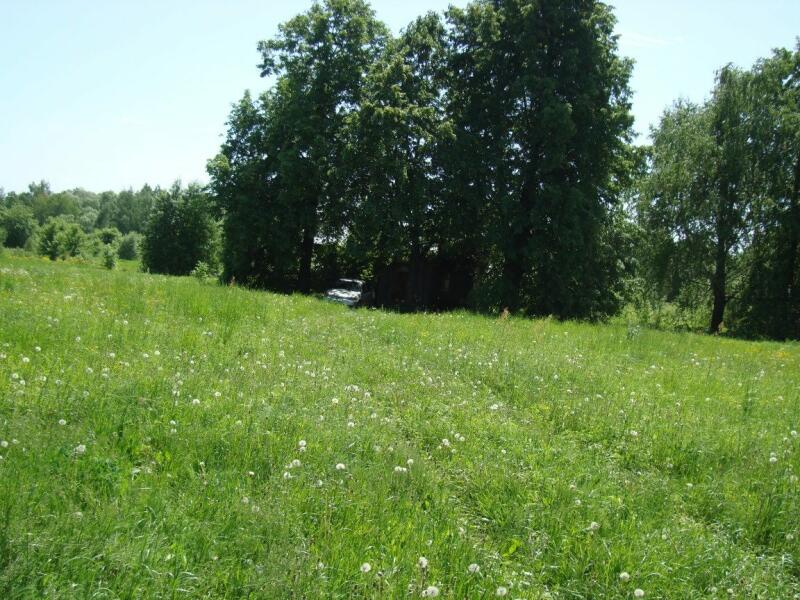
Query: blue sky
x=108 y=95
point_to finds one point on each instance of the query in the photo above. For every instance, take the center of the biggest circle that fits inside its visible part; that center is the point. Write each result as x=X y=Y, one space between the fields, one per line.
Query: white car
x=350 y=292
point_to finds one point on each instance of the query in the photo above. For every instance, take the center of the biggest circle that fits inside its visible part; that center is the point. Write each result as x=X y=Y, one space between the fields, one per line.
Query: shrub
x=205 y=272
x=129 y=246
x=109 y=236
x=109 y=257
x=59 y=238
x=181 y=232
x=19 y=224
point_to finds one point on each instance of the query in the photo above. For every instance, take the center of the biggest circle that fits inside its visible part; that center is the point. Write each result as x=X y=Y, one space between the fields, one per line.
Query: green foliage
x=109 y=236
x=19 y=223
x=115 y=482
x=59 y=238
x=720 y=203
x=495 y=141
x=181 y=232
x=109 y=257
x=205 y=272
x=129 y=244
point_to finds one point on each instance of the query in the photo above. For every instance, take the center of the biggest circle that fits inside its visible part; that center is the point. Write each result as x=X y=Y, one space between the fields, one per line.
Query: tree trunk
x=307 y=253
x=718 y=286
x=791 y=324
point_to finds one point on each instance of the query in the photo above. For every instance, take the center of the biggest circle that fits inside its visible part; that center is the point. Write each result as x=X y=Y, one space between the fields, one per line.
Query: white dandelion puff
x=366 y=568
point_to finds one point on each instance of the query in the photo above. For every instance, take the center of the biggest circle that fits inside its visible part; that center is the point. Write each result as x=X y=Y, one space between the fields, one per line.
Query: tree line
x=484 y=158
x=168 y=230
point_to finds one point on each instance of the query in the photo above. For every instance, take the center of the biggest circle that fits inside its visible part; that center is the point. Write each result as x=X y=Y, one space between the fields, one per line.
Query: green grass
x=662 y=440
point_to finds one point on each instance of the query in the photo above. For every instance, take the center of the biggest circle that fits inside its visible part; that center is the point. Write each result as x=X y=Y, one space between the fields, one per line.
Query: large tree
x=540 y=100
x=320 y=59
x=394 y=179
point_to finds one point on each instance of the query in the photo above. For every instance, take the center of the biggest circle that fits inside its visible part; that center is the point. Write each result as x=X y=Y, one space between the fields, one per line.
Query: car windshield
x=349 y=285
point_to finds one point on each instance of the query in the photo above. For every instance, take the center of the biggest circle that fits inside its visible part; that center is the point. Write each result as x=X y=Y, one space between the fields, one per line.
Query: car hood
x=343 y=295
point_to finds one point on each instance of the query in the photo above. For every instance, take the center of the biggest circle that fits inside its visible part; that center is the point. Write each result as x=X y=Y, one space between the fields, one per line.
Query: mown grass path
x=163 y=438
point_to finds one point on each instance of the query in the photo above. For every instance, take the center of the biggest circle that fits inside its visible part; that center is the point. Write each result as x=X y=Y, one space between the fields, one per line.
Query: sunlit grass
x=165 y=438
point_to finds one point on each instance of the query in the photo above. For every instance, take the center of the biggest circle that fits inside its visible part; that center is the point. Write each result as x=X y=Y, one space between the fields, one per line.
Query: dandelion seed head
x=501 y=591
x=422 y=562
x=624 y=577
x=474 y=568
x=366 y=568
x=638 y=593
x=430 y=592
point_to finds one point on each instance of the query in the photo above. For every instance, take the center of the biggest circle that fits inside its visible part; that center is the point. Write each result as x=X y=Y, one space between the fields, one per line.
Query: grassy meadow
x=165 y=438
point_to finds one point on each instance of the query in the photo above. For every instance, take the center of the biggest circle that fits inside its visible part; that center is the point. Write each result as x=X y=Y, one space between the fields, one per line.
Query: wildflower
x=501 y=591
x=287 y=475
x=430 y=592
x=217 y=394
x=793 y=433
x=594 y=526
x=301 y=444
x=634 y=433
x=341 y=467
x=295 y=463
x=26 y=360
x=474 y=568
x=245 y=500
x=399 y=469
x=494 y=407
x=773 y=459
x=251 y=473
x=624 y=577
x=366 y=568
x=350 y=424
x=4 y=444
x=422 y=562
x=80 y=449
x=62 y=422
x=789 y=537
x=37 y=349
x=446 y=443
x=196 y=401
x=410 y=462
x=638 y=593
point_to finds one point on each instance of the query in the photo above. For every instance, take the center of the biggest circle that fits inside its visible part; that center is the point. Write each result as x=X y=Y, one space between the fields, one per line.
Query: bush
x=19 y=224
x=59 y=238
x=109 y=257
x=109 y=236
x=205 y=272
x=129 y=246
x=181 y=233
x=3 y=235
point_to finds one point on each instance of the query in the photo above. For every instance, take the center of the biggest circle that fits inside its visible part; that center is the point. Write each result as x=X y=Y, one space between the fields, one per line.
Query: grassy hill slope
x=165 y=438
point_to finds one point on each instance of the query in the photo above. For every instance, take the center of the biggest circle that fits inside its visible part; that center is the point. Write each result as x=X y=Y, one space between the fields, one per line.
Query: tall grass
x=165 y=438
